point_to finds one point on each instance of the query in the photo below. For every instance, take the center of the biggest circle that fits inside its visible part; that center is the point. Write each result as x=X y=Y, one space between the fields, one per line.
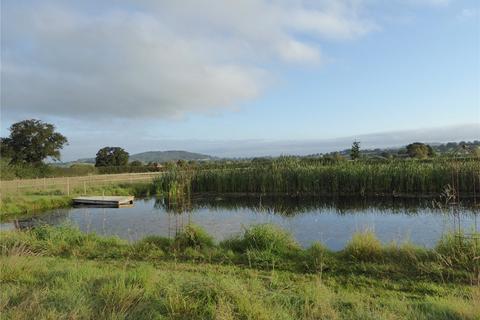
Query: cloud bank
x=158 y=58
x=84 y=147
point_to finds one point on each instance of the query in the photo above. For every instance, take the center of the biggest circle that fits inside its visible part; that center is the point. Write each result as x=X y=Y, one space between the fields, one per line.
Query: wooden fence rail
x=68 y=184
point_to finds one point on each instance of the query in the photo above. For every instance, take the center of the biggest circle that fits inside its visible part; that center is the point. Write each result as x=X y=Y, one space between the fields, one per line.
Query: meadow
x=61 y=272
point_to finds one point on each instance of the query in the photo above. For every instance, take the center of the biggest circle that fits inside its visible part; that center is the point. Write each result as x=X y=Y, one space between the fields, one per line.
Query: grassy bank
x=55 y=288
x=31 y=203
x=292 y=176
x=62 y=273
x=13 y=206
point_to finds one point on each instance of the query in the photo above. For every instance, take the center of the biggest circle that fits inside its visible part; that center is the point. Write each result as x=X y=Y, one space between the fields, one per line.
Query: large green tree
x=420 y=150
x=32 y=141
x=111 y=156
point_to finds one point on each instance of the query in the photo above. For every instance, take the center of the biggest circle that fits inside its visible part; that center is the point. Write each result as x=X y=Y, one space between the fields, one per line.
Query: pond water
x=330 y=221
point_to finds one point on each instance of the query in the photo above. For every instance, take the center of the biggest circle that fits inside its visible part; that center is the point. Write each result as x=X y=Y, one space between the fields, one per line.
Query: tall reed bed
x=289 y=176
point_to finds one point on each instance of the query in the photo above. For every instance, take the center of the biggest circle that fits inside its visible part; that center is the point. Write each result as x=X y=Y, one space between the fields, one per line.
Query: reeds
x=284 y=176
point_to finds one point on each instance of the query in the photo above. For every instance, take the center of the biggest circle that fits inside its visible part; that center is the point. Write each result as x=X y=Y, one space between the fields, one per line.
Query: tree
x=136 y=163
x=355 y=150
x=32 y=141
x=420 y=150
x=5 y=150
x=111 y=156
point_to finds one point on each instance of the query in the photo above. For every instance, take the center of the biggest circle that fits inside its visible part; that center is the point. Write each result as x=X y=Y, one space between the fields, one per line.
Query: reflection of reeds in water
x=292 y=205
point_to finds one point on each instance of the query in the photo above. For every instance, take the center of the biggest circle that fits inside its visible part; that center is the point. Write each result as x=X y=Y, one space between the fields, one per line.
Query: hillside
x=171 y=155
x=159 y=156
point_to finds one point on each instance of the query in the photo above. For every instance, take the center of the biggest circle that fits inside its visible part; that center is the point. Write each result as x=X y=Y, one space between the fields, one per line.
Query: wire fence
x=67 y=185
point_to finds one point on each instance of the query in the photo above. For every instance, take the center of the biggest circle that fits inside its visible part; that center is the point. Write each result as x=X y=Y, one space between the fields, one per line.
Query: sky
x=245 y=77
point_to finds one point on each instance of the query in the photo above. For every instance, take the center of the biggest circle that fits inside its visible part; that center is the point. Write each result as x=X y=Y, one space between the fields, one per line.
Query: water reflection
x=309 y=219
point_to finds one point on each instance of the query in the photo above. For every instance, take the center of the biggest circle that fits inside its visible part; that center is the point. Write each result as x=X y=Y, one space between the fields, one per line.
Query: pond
x=330 y=221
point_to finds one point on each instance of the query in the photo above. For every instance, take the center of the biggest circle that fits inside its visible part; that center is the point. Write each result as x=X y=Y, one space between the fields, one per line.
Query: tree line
x=33 y=141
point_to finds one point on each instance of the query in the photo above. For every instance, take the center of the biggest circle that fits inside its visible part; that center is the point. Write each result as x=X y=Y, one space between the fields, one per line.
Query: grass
x=31 y=203
x=55 y=288
x=263 y=247
x=13 y=206
x=60 y=272
x=32 y=171
x=349 y=178
x=364 y=247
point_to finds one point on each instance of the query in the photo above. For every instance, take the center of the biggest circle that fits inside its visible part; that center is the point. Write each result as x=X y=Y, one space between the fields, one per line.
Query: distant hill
x=159 y=156
x=171 y=155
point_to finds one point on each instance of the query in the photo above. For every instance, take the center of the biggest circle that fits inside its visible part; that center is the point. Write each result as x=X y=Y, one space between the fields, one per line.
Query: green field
x=35 y=202
x=61 y=273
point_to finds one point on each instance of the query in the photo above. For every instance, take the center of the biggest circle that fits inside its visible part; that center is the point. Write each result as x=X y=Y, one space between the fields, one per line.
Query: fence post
x=68 y=186
x=84 y=188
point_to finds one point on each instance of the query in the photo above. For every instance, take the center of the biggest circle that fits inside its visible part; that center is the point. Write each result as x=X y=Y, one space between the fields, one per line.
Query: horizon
x=249 y=148
x=309 y=76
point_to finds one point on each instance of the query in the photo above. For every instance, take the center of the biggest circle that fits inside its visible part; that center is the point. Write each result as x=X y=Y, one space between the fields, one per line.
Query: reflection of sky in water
x=325 y=223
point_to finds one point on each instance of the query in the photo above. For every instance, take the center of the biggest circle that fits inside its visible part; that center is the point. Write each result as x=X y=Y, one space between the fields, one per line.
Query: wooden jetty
x=111 y=201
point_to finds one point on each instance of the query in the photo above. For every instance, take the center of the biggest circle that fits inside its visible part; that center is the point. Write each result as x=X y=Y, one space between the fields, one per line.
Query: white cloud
x=158 y=58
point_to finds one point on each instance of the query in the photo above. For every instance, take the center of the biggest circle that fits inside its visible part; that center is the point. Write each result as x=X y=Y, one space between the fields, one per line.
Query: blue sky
x=155 y=75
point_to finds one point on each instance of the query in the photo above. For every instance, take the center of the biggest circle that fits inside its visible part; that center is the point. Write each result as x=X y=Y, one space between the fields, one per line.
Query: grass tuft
x=364 y=246
x=194 y=237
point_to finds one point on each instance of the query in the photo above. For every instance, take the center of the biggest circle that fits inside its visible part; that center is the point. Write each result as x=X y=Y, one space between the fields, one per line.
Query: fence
x=67 y=185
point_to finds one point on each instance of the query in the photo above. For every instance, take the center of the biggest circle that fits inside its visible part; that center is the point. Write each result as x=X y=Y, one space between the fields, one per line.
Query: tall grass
x=284 y=176
x=60 y=272
x=54 y=288
x=456 y=256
